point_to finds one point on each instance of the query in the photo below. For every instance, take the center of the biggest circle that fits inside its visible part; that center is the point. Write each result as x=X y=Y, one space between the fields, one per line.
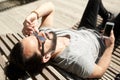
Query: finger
x=112 y=37
x=26 y=23
x=24 y=33
x=28 y=19
x=112 y=33
x=27 y=31
x=36 y=29
x=30 y=28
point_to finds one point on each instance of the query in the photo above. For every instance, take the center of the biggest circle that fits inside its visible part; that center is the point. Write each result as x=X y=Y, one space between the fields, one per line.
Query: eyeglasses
x=42 y=40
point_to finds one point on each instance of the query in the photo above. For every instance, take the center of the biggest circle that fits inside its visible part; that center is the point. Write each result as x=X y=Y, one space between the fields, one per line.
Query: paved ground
x=68 y=12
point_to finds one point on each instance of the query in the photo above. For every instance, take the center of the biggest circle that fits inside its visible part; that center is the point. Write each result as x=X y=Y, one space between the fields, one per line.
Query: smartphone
x=108 y=27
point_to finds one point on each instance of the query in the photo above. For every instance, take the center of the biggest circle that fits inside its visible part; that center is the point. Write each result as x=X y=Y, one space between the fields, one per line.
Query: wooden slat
x=110 y=74
x=105 y=77
x=2 y=75
x=117 y=53
x=115 y=66
x=39 y=77
x=3 y=61
x=12 y=38
x=47 y=75
x=108 y=77
x=7 y=42
x=4 y=49
x=114 y=59
x=17 y=37
x=112 y=70
x=21 y=35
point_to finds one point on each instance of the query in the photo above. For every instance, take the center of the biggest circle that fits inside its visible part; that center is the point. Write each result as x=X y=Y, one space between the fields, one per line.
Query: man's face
x=33 y=44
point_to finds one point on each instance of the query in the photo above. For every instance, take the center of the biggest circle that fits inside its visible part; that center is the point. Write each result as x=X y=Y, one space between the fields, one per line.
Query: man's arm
x=104 y=62
x=44 y=11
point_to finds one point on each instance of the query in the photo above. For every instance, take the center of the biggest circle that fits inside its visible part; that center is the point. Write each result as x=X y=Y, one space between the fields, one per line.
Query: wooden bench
x=52 y=73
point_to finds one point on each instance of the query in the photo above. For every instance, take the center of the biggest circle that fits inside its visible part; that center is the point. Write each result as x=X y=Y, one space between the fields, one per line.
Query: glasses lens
x=42 y=39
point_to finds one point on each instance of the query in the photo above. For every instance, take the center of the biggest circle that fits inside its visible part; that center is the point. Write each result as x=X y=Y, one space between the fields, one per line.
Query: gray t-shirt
x=82 y=52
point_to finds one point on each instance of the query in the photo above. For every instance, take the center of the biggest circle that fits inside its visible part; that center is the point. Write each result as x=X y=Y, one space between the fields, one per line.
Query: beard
x=53 y=41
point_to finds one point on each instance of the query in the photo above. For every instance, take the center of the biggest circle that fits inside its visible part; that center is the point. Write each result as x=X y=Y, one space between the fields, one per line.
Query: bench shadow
x=8 y=4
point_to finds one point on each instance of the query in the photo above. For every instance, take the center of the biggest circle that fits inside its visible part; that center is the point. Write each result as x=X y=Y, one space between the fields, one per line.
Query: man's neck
x=62 y=43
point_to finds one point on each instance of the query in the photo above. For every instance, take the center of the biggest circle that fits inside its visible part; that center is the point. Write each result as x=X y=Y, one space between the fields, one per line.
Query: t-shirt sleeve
x=81 y=66
x=84 y=66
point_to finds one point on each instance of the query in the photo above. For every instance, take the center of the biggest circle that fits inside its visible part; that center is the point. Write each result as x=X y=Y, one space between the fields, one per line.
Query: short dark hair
x=19 y=66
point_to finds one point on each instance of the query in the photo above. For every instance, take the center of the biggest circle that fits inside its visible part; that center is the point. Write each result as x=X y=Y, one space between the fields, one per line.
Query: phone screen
x=108 y=28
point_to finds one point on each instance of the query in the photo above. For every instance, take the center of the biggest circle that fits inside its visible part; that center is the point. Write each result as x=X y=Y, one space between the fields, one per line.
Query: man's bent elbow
x=51 y=5
x=97 y=73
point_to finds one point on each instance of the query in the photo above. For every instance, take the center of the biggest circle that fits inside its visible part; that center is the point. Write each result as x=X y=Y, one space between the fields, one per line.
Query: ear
x=46 y=57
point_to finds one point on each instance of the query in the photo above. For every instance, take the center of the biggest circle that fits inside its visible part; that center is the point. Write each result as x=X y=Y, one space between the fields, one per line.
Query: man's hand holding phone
x=109 y=35
x=107 y=30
